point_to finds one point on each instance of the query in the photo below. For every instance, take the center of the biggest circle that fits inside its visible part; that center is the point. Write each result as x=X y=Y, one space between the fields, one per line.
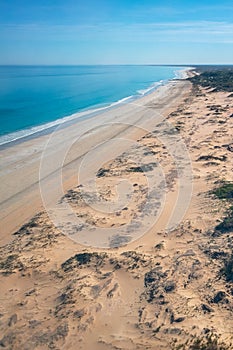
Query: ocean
x=35 y=98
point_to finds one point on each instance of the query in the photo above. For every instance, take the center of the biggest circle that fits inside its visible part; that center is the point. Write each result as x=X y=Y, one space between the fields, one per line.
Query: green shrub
x=207 y=342
x=226 y=225
x=228 y=269
x=225 y=191
x=219 y=80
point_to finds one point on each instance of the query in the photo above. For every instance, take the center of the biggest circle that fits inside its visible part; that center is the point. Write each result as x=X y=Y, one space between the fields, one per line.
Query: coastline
x=20 y=194
x=17 y=137
x=165 y=289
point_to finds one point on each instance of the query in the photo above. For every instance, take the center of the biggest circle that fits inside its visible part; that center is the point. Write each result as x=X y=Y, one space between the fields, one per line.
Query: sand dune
x=155 y=286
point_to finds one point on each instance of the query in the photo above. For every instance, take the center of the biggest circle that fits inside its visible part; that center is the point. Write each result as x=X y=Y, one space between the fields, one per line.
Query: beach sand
x=20 y=194
x=162 y=287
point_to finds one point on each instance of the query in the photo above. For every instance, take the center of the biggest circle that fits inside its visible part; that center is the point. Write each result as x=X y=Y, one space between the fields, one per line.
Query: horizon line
x=115 y=64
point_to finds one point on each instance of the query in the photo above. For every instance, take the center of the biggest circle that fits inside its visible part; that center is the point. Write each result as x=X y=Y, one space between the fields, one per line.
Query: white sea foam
x=14 y=136
x=150 y=88
x=123 y=100
x=183 y=73
x=5 y=139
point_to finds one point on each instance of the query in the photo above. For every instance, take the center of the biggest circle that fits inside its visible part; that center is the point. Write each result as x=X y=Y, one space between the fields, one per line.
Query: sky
x=116 y=32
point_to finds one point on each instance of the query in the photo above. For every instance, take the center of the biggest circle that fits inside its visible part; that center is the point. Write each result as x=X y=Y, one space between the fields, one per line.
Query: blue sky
x=116 y=32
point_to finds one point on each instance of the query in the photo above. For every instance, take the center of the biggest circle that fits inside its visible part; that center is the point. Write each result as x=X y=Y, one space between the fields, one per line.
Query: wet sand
x=20 y=194
x=155 y=287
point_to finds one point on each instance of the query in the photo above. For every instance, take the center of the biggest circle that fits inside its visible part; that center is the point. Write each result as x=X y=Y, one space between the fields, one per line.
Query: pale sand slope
x=57 y=294
x=19 y=176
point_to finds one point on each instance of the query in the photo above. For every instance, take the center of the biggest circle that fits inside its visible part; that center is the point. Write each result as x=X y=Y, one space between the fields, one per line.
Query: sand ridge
x=161 y=288
x=20 y=171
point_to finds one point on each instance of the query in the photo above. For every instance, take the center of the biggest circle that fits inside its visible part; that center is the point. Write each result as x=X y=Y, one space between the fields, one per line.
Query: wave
x=182 y=73
x=17 y=135
x=123 y=100
x=21 y=134
x=150 y=88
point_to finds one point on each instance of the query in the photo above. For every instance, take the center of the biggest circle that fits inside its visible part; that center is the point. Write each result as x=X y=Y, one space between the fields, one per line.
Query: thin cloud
x=191 y=31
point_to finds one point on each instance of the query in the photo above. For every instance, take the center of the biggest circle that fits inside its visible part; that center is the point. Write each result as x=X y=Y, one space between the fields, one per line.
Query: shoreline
x=18 y=137
x=166 y=289
x=19 y=175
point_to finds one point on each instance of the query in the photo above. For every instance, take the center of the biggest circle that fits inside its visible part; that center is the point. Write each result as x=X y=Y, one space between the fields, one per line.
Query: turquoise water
x=32 y=96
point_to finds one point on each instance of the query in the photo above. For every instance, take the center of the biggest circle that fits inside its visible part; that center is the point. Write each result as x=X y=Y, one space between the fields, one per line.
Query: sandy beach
x=20 y=195
x=142 y=267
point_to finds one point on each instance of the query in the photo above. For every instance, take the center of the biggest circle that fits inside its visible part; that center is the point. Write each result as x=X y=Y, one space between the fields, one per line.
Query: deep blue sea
x=33 y=98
